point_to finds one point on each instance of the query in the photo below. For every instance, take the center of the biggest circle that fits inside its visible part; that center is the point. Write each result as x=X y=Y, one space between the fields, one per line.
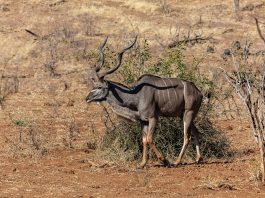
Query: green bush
x=123 y=141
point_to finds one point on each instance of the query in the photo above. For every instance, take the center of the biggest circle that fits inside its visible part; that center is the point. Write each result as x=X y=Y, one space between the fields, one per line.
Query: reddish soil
x=79 y=173
x=43 y=83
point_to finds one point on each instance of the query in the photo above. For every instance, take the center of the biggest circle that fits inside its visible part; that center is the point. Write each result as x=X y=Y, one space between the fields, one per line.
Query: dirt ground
x=80 y=173
x=45 y=124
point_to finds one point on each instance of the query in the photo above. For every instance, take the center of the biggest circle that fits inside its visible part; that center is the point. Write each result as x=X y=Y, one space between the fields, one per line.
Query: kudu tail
x=207 y=97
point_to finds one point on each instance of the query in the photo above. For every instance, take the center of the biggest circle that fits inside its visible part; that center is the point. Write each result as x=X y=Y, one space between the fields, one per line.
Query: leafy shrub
x=123 y=141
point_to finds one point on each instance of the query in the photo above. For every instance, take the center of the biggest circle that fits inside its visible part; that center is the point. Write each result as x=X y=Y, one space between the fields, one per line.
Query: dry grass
x=216 y=184
x=48 y=110
x=254 y=171
x=54 y=66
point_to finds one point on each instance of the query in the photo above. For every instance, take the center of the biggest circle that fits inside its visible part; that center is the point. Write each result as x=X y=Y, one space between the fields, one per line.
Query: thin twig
x=32 y=33
x=187 y=39
x=259 y=30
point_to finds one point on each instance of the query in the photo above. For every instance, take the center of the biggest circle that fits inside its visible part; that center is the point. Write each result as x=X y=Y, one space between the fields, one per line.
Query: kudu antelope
x=149 y=98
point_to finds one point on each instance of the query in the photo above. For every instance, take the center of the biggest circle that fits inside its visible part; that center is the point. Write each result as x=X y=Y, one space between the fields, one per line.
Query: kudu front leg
x=144 y=134
x=125 y=112
x=148 y=132
x=151 y=130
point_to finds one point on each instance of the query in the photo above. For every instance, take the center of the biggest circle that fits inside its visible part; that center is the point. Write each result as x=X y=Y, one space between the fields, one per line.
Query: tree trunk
x=236 y=5
x=260 y=119
x=262 y=155
x=255 y=109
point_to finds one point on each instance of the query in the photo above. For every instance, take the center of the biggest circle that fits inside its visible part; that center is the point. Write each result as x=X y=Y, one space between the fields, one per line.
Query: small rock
x=4 y=8
x=236 y=45
x=210 y=49
x=248 y=7
x=227 y=52
x=229 y=127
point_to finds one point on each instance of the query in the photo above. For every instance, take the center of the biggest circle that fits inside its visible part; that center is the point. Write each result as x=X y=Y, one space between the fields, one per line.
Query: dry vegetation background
x=45 y=123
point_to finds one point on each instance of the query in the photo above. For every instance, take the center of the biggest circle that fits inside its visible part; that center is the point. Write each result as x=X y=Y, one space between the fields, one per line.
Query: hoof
x=175 y=164
x=140 y=167
x=164 y=163
x=199 y=161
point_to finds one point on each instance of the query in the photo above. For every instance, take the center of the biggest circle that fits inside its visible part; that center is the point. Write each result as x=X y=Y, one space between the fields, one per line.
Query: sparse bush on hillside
x=236 y=5
x=72 y=131
x=62 y=46
x=248 y=83
x=8 y=85
x=30 y=140
x=123 y=141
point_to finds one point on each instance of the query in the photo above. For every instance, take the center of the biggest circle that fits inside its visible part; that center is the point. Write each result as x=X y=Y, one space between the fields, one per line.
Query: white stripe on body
x=167 y=89
x=184 y=90
x=173 y=88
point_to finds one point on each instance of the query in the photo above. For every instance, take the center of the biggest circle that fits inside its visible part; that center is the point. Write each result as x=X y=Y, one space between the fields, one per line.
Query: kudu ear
x=103 y=74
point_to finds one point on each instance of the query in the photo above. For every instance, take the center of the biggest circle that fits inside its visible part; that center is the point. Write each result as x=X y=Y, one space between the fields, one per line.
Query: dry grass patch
x=216 y=184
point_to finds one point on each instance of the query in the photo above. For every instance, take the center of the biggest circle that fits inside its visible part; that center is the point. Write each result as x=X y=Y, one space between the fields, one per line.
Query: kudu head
x=100 y=87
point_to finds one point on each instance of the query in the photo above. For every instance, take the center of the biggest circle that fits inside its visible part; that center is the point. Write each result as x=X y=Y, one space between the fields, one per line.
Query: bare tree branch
x=196 y=39
x=32 y=33
x=259 y=30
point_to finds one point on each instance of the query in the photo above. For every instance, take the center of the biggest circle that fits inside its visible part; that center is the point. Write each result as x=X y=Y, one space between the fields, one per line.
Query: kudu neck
x=122 y=95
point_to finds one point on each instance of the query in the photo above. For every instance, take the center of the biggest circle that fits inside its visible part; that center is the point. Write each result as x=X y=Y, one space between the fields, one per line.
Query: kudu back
x=150 y=97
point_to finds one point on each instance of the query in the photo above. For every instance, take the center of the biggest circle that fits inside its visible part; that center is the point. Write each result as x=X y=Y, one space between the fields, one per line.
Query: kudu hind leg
x=187 y=120
x=197 y=143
